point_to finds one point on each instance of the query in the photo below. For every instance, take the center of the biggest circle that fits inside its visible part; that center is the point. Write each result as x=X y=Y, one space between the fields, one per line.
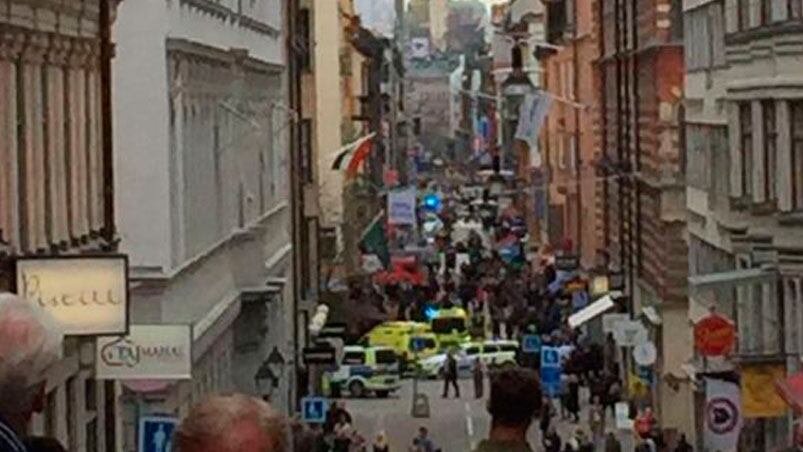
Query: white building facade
x=202 y=157
x=744 y=160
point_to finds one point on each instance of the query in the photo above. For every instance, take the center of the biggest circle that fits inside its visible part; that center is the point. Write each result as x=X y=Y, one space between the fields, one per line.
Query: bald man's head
x=234 y=423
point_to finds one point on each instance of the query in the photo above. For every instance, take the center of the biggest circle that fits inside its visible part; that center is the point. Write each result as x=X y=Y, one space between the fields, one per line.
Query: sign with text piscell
x=159 y=352
x=87 y=296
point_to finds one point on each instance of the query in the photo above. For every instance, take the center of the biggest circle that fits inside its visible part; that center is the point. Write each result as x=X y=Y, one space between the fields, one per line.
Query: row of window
x=768 y=165
x=757 y=13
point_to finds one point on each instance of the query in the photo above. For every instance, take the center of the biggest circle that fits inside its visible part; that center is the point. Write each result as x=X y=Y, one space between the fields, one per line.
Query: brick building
x=641 y=188
x=570 y=151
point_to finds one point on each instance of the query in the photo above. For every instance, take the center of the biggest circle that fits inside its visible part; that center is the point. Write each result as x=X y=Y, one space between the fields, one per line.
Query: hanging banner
x=401 y=207
x=723 y=415
x=759 y=397
x=534 y=109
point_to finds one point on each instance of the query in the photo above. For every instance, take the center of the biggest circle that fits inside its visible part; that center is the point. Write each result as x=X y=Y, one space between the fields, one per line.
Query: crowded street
x=401 y=225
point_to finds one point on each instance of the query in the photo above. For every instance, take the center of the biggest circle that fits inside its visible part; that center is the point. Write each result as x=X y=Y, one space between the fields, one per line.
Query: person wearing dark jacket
x=612 y=444
x=551 y=441
x=450 y=376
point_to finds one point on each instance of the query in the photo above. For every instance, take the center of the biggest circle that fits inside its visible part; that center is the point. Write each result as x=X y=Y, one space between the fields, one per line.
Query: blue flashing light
x=432 y=202
x=430 y=312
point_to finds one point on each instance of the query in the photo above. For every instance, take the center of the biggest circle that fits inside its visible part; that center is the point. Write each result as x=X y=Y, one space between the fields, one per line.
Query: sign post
x=156 y=433
x=314 y=409
x=550 y=371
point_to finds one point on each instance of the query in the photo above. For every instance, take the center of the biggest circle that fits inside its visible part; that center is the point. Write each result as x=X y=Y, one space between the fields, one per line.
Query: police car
x=493 y=354
x=366 y=370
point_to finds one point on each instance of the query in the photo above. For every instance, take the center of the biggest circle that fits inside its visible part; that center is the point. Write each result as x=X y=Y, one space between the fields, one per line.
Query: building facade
x=641 y=191
x=204 y=196
x=56 y=174
x=743 y=126
x=570 y=153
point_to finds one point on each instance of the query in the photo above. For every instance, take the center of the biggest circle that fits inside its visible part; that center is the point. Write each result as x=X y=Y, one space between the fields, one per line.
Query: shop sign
x=645 y=354
x=714 y=335
x=148 y=352
x=630 y=333
x=87 y=295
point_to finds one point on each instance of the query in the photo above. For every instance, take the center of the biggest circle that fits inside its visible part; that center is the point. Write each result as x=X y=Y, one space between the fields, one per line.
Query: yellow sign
x=759 y=398
x=636 y=386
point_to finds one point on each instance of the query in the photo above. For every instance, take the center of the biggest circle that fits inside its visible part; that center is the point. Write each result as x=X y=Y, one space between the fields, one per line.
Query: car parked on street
x=366 y=370
x=493 y=354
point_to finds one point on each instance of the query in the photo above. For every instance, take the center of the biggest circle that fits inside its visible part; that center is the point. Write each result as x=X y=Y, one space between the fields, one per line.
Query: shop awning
x=721 y=280
x=593 y=310
x=791 y=390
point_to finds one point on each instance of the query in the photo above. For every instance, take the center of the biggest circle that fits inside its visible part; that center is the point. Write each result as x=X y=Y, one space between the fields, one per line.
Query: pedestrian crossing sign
x=314 y=409
x=156 y=433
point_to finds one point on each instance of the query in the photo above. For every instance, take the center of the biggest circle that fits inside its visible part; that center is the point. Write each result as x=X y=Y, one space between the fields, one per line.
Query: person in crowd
x=450 y=376
x=381 y=443
x=684 y=446
x=546 y=415
x=645 y=423
x=551 y=441
x=514 y=401
x=344 y=434
x=579 y=442
x=613 y=394
x=596 y=420
x=235 y=423
x=30 y=344
x=612 y=444
x=479 y=378
x=573 y=398
x=43 y=444
x=422 y=442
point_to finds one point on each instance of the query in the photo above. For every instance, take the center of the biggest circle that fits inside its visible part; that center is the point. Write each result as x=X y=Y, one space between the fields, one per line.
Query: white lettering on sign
x=86 y=295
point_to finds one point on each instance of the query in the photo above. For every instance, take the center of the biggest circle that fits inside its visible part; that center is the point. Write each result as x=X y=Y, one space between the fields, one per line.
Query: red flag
x=359 y=156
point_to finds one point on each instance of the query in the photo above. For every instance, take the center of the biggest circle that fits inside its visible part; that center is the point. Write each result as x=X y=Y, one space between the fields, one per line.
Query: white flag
x=533 y=111
x=723 y=415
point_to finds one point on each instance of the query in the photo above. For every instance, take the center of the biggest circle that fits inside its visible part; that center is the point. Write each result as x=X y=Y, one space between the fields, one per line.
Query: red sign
x=714 y=335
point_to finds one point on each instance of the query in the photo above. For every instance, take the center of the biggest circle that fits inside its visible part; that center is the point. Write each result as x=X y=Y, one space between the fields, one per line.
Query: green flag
x=375 y=242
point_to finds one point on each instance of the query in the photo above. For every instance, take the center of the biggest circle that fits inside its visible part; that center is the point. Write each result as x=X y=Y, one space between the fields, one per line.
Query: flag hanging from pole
x=347 y=152
x=374 y=241
x=362 y=153
x=534 y=109
x=723 y=415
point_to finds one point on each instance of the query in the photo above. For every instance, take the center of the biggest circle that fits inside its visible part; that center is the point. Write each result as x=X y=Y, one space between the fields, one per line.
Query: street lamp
x=268 y=374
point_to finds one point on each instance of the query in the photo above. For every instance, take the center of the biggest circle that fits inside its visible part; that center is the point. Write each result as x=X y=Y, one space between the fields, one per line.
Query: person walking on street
x=450 y=376
x=514 y=401
x=479 y=378
x=683 y=445
x=381 y=443
x=422 y=443
x=551 y=441
x=573 y=398
x=547 y=413
x=596 y=420
x=612 y=444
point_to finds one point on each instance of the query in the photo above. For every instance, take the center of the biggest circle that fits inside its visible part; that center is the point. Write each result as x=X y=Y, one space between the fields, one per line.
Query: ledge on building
x=774 y=30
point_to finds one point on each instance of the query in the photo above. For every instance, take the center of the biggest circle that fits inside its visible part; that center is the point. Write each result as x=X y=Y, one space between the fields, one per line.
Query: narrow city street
x=455 y=425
